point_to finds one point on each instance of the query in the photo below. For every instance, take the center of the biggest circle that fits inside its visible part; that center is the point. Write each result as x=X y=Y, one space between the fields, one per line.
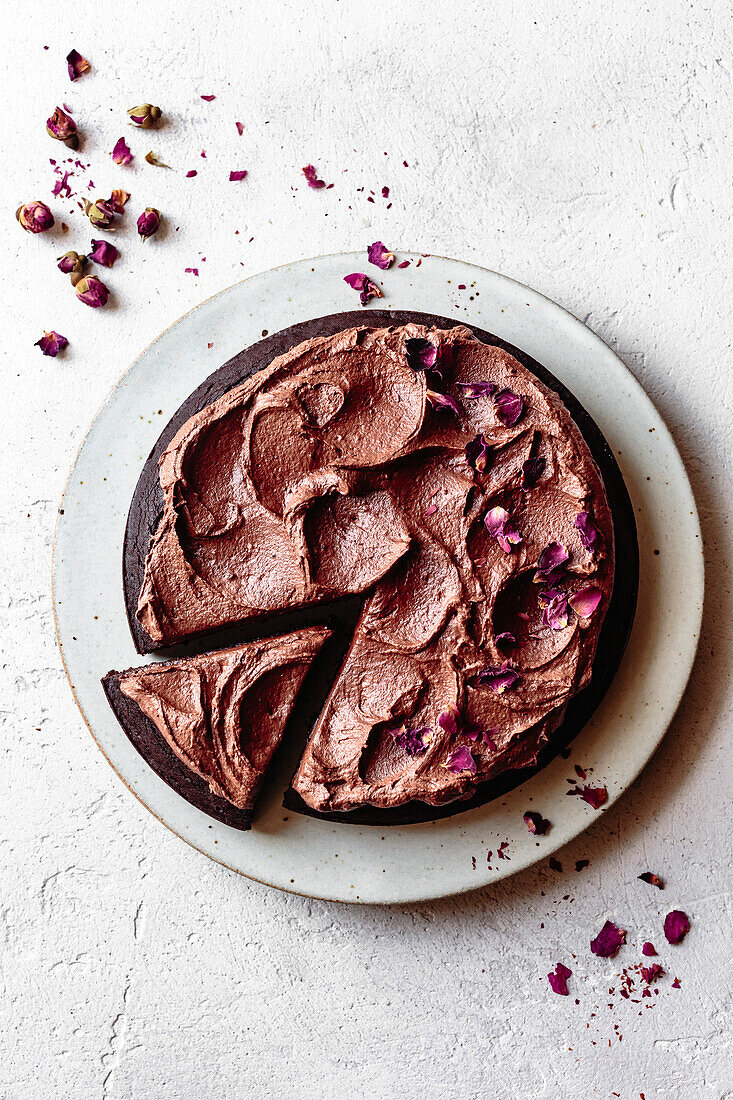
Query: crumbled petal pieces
x=652 y=879
x=461 y=760
x=235 y=177
x=676 y=926
x=651 y=973
x=500 y=526
x=477 y=453
x=498 y=678
x=62 y=127
x=558 y=979
x=587 y=530
x=379 y=255
x=312 y=177
x=536 y=823
x=77 y=64
x=594 y=796
x=509 y=407
x=532 y=471
x=361 y=282
x=145 y=116
x=103 y=253
x=148 y=223
x=648 y=949
x=154 y=159
x=121 y=153
x=51 y=343
x=34 y=217
x=608 y=941
x=414 y=741
x=92 y=292
x=585 y=602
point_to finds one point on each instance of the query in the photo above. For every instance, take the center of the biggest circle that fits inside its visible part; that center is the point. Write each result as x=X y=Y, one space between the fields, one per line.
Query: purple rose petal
x=676 y=926
x=442 y=401
x=208 y=98
x=648 y=949
x=555 y=614
x=501 y=527
x=498 y=678
x=121 y=153
x=652 y=879
x=103 y=253
x=421 y=354
x=477 y=453
x=51 y=343
x=461 y=760
x=651 y=973
x=551 y=562
x=478 y=389
x=608 y=941
x=77 y=64
x=379 y=255
x=509 y=407
x=536 y=823
x=559 y=979
x=448 y=719
x=676 y=984
x=585 y=602
x=235 y=177
x=532 y=471
x=587 y=530
x=361 y=282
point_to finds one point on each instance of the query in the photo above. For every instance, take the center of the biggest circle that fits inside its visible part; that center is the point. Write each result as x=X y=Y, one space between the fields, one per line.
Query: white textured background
x=579 y=147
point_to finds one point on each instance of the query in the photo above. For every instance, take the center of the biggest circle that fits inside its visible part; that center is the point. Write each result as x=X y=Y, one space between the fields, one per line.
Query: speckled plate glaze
x=409 y=863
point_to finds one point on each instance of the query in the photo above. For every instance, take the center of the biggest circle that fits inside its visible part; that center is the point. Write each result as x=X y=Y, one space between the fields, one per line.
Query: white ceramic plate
x=368 y=864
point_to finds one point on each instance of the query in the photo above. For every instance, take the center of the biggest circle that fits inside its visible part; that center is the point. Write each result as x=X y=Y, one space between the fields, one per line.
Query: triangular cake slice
x=220 y=716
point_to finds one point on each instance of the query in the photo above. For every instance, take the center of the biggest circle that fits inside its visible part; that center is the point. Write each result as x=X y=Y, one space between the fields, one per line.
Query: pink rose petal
x=478 y=389
x=509 y=407
x=461 y=760
x=536 y=823
x=121 y=153
x=587 y=530
x=500 y=526
x=103 y=253
x=676 y=926
x=585 y=602
x=235 y=177
x=361 y=282
x=77 y=65
x=498 y=678
x=442 y=401
x=651 y=973
x=648 y=949
x=558 y=979
x=51 y=343
x=379 y=255
x=477 y=453
x=608 y=941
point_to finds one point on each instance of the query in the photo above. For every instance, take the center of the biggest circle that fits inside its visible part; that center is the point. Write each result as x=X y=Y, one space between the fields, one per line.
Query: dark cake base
x=145 y=513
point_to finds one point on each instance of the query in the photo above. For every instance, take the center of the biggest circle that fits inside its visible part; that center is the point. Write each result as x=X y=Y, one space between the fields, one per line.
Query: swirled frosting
x=439 y=477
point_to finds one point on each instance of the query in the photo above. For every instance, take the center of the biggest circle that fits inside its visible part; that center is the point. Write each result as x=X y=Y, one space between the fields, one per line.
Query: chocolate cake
x=442 y=478
x=221 y=715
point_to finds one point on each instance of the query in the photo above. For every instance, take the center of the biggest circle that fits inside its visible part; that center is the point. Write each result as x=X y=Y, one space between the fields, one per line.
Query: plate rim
x=696 y=574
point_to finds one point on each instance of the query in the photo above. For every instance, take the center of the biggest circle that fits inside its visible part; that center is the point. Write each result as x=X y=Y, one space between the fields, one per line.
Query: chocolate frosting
x=333 y=472
x=224 y=713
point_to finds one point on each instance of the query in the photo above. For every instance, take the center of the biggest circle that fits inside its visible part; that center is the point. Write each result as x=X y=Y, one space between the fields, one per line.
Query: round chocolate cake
x=444 y=504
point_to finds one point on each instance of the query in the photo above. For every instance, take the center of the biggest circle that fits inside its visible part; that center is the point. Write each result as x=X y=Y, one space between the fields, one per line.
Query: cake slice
x=209 y=724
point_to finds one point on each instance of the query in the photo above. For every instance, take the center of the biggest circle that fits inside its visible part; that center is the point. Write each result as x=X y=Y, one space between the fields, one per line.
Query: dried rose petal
x=532 y=471
x=414 y=742
x=442 y=401
x=118 y=200
x=551 y=562
x=154 y=159
x=461 y=760
x=145 y=116
x=35 y=217
x=313 y=181
x=103 y=253
x=587 y=530
x=62 y=127
x=497 y=677
x=148 y=222
x=506 y=638
x=121 y=153
x=477 y=452
x=585 y=602
x=62 y=187
x=676 y=984
x=91 y=291
x=500 y=526
x=240 y=128
x=77 y=64
x=235 y=177
x=421 y=354
x=100 y=213
x=191 y=271
x=361 y=282
x=608 y=941
x=509 y=407
x=558 y=979
x=555 y=614
x=209 y=98
x=676 y=926
x=478 y=389
x=651 y=973
x=51 y=343
x=648 y=949
x=451 y=722
x=379 y=255
x=594 y=796
x=536 y=823
x=652 y=879
x=72 y=263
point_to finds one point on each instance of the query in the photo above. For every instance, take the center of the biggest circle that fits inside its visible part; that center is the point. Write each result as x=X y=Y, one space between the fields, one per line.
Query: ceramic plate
x=396 y=864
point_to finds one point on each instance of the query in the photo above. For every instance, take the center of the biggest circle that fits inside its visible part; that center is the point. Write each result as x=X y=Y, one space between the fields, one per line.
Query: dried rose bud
x=71 y=263
x=148 y=222
x=103 y=253
x=51 y=343
x=118 y=200
x=145 y=115
x=62 y=127
x=35 y=217
x=121 y=153
x=92 y=291
x=77 y=64
x=100 y=213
